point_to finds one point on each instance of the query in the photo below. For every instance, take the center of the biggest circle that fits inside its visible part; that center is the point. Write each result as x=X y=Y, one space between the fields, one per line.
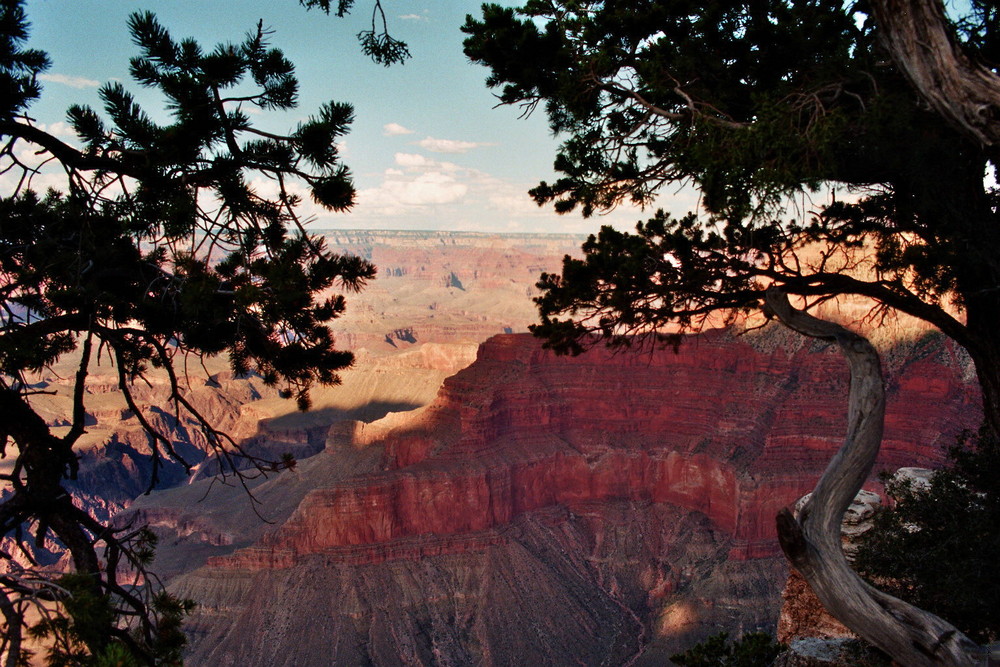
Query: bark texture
x=812 y=543
x=923 y=46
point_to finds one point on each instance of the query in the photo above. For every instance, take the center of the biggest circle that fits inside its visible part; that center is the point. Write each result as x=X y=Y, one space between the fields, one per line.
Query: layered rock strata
x=600 y=509
x=433 y=288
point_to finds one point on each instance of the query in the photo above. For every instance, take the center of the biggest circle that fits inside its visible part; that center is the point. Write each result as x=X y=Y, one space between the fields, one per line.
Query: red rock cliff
x=548 y=510
x=721 y=428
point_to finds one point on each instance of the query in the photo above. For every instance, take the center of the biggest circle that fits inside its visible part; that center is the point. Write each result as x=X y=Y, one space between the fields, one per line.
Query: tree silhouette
x=161 y=246
x=754 y=103
x=759 y=104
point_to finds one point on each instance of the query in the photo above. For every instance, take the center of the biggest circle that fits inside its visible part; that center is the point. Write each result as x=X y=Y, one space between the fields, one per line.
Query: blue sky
x=428 y=148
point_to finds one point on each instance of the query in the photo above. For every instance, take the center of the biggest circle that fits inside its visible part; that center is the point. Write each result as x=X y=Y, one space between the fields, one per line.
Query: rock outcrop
x=439 y=294
x=116 y=452
x=543 y=509
x=802 y=614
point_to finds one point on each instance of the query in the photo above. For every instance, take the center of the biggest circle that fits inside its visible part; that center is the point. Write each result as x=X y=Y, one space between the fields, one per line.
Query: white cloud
x=395 y=130
x=414 y=17
x=400 y=193
x=307 y=209
x=420 y=191
x=417 y=162
x=515 y=201
x=59 y=129
x=40 y=183
x=449 y=145
x=411 y=160
x=430 y=188
x=417 y=191
x=71 y=81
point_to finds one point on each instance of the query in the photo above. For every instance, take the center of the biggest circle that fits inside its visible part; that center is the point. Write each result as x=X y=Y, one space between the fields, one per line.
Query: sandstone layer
x=548 y=510
x=438 y=295
x=541 y=510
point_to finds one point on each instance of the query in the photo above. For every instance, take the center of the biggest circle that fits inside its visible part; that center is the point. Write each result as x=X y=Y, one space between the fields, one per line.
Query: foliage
x=76 y=632
x=936 y=547
x=753 y=649
x=376 y=43
x=758 y=105
x=161 y=246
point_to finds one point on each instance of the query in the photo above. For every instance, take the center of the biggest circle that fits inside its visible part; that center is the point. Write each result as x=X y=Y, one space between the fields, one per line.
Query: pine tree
x=935 y=545
x=158 y=249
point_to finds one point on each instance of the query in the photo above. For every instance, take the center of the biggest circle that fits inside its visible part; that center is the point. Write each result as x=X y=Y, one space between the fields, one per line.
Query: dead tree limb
x=812 y=543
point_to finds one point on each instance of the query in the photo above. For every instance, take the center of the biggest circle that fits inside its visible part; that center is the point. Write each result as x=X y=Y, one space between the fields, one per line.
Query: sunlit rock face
x=540 y=510
x=549 y=510
x=438 y=295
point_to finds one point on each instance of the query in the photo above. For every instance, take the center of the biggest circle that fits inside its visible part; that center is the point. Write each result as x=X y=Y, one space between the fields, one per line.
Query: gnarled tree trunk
x=922 y=45
x=812 y=543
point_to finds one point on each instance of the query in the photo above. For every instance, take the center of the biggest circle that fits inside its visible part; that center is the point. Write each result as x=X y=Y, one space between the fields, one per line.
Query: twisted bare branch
x=812 y=543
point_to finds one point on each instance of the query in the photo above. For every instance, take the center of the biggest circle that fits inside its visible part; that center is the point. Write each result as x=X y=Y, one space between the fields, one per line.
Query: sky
x=429 y=148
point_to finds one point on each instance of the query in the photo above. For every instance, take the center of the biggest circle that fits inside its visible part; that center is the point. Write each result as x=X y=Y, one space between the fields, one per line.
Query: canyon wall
x=603 y=509
x=437 y=296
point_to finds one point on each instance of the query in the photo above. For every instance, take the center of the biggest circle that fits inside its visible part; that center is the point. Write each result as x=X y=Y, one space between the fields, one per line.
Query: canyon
x=445 y=287
x=450 y=290
x=602 y=509
x=468 y=497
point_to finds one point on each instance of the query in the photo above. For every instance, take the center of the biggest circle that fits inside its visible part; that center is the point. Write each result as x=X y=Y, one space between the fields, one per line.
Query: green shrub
x=937 y=547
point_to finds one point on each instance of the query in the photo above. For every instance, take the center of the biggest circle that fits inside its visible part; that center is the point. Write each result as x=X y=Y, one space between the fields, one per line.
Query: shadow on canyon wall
x=368 y=412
